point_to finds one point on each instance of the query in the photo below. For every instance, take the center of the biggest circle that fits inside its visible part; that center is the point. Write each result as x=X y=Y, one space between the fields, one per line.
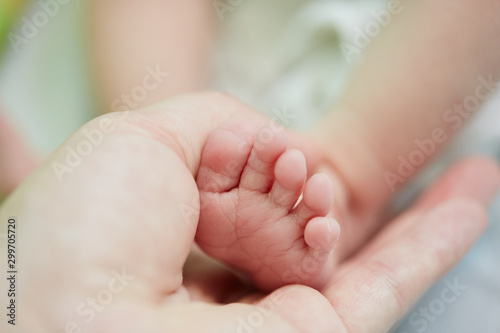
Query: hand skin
x=120 y=210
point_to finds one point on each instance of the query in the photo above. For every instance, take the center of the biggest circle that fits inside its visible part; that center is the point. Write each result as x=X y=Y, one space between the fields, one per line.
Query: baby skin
x=259 y=212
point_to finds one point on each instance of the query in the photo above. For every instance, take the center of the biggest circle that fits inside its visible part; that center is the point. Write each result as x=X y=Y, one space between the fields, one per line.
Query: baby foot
x=249 y=185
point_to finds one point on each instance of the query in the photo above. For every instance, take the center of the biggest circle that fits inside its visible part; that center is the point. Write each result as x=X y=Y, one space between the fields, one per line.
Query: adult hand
x=104 y=249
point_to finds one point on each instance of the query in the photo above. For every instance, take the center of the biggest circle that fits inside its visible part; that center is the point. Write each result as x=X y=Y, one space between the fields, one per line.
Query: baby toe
x=317 y=199
x=322 y=233
x=290 y=172
x=258 y=174
x=224 y=156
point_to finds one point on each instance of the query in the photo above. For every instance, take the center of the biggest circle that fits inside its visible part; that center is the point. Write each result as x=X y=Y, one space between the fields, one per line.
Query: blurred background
x=60 y=58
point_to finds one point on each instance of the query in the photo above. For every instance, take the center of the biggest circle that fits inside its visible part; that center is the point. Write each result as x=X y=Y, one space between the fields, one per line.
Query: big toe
x=224 y=156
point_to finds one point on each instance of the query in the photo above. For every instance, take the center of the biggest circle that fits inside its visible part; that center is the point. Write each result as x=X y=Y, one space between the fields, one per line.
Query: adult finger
x=475 y=178
x=383 y=281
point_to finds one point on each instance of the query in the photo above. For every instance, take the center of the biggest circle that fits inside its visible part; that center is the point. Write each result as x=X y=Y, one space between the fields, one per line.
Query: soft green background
x=9 y=11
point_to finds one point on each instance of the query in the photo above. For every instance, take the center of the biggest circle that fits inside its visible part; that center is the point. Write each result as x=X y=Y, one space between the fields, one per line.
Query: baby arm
x=160 y=47
x=411 y=85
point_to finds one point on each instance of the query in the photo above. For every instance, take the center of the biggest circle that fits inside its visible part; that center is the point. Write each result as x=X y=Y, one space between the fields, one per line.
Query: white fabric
x=286 y=54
